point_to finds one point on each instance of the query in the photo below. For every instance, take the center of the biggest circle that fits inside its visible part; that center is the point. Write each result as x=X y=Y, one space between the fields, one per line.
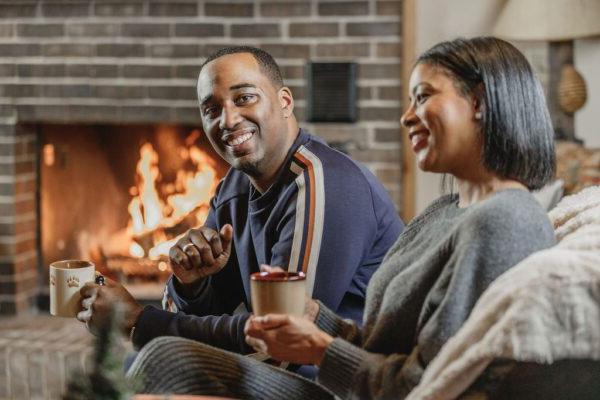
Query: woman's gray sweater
x=425 y=289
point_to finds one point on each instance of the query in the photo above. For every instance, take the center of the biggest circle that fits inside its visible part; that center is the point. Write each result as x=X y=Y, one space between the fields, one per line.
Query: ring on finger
x=186 y=247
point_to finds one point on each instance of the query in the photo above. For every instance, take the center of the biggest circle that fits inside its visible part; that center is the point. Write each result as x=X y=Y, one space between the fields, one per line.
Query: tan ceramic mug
x=67 y=277
x=278 y=293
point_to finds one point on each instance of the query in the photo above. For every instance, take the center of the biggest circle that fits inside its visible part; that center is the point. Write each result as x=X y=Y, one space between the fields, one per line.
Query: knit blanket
x=544 y=309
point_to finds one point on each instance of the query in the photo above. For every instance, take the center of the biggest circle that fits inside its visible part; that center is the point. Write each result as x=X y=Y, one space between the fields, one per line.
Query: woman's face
x=442 y=126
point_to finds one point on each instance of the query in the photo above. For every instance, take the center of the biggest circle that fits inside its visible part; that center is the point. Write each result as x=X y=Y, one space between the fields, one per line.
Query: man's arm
x=223 y=331
x=342 y=228
x=205 y=279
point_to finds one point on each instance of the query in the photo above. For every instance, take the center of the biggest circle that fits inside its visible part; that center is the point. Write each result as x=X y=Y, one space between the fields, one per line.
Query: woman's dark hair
x=517 y=132
x=265 y=61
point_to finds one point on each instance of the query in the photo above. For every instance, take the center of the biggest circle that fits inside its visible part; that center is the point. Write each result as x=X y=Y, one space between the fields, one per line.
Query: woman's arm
x=491 y=243
x=335 y=326
x=299 y=340
x=493 y=239
x=345 y=369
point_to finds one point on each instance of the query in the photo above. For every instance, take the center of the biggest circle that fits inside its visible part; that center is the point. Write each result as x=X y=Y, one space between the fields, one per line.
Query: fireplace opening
x=121 y=195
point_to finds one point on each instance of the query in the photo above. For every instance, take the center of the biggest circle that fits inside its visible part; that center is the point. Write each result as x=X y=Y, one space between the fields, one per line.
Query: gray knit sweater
x=425 y=289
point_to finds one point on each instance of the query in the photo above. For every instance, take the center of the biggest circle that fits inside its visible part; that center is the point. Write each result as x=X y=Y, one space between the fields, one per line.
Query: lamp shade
x=551 y=20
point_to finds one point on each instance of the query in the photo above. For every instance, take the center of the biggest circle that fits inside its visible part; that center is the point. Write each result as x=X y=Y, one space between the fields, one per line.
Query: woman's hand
x=287 y=338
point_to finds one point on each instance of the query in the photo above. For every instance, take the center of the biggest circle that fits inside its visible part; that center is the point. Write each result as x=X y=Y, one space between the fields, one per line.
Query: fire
x=161 y=212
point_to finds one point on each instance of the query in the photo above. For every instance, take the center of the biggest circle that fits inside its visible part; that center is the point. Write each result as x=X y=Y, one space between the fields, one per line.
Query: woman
x=477 y=113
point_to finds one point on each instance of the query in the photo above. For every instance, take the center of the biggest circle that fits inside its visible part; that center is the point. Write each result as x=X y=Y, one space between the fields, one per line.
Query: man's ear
x=286 y=100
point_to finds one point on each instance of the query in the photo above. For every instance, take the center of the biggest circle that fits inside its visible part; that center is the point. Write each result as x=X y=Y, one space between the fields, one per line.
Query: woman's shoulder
x=428 y=220
x=440 y=203
x=512 y=204
x=512 y=212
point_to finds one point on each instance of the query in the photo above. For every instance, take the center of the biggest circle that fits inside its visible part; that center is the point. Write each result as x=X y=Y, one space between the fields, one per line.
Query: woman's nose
x=409 y=117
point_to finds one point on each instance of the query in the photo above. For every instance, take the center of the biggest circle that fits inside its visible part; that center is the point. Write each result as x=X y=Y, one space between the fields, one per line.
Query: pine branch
x=106 y=380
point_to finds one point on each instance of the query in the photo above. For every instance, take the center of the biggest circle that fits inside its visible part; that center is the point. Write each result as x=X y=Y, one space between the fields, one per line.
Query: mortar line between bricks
x=131 y=41
x=8 y=373
x=200 y=19
x=27 y=371
x=61 y=373
x=20 y=276
x=159 y=82
x=22 y=296
x=45 y=372
x=4 y=373
x=103 y=102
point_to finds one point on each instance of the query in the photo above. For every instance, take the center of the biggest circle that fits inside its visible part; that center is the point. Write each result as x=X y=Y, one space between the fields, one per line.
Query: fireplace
x=107 y=75
x=121 y=195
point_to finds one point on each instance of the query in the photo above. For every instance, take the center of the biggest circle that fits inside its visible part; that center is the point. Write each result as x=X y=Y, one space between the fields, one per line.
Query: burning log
x=116 y=245
x=186 y=223
x=150 y=239
x=133 y=268
x=160 y=214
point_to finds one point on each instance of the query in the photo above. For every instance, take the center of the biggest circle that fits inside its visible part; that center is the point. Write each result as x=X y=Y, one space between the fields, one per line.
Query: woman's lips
x=418 y=140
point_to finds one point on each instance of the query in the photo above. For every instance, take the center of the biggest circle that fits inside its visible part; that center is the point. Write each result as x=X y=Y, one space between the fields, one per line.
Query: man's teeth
x=239 y=139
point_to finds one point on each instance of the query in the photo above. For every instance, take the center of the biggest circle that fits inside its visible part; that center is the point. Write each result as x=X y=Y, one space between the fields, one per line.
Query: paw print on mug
x=52 y=280
x=73 y=281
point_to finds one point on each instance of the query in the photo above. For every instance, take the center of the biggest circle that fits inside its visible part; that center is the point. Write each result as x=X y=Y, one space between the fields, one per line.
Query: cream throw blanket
x=544 y=309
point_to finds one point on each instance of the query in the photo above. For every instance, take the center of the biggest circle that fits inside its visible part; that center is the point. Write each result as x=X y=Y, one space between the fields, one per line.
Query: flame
x=148 y=203
x=187 y=198
x=194 y=186
x=162 y=249
x=135 y=250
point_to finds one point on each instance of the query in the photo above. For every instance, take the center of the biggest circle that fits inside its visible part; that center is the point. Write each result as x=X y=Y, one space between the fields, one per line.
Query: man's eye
x=210 y=111
x=245 y=99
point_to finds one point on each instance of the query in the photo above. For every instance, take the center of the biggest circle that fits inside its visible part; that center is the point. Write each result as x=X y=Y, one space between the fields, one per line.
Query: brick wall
x=18 y=216
x=137 y=61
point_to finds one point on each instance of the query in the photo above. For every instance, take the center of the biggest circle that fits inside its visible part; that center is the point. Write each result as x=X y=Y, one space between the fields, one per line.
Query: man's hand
x=287 y=338
x=98 y=301
x=200 y=253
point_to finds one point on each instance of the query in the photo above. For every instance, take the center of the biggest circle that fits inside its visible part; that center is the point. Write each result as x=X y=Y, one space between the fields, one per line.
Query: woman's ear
x=286 y=100
x=478 y=103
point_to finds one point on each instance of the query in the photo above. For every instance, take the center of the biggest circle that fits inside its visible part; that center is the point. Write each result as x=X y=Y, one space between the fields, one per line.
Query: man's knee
x=164 y=350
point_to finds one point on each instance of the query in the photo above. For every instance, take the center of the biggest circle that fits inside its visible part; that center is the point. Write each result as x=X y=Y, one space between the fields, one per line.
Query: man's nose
x=230 y=117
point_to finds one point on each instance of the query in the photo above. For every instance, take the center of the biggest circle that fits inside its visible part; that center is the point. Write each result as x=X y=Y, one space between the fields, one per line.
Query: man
x=289 y=200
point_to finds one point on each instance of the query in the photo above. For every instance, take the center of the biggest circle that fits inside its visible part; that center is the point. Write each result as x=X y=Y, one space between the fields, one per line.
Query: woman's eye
x=421 y=97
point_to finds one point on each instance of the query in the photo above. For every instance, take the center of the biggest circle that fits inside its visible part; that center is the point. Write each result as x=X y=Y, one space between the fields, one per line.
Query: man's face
x=244 y=114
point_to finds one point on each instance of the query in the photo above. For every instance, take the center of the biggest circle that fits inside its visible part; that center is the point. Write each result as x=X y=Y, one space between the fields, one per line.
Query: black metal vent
x=331 y=92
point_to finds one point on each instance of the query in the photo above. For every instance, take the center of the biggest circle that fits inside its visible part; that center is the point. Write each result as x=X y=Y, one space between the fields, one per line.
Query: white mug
x=278 y=293
x=67 y=277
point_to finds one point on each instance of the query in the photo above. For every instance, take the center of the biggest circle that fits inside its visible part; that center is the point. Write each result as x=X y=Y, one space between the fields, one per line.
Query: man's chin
x=247 y=165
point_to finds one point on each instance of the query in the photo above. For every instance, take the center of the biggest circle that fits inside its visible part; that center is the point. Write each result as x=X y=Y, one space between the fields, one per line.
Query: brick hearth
x=38 y=354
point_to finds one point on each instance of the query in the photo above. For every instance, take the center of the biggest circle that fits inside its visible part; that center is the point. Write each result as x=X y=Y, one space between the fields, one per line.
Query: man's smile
x=234 y=141
x=238 y=140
